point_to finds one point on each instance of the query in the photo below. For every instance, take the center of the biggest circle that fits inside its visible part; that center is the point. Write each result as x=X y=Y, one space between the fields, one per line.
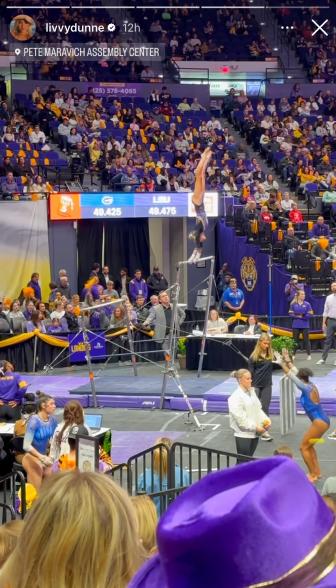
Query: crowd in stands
x=316 y=51
x=65 y=311
x=205 y=35
x=134 y=144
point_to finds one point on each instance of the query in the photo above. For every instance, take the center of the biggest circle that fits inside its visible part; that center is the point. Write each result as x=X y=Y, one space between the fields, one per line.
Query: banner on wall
x=250 y=266
x=77 y=347
x=24 y=246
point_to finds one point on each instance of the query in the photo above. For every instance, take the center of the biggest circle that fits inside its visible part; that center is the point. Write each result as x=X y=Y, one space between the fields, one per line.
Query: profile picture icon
x=22 y=27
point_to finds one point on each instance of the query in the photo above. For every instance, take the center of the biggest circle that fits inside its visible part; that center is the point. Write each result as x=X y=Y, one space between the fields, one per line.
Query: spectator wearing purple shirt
x=34 y=283
x=301 y=311
x=9 y=186
x=320 y=229
x=138 y=286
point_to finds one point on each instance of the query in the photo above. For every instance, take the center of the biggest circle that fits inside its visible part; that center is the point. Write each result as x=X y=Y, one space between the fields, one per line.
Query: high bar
x=210 y=257
x=103 y=304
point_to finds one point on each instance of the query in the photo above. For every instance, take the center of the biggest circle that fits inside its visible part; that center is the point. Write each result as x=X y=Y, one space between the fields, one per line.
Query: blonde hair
x=256 y=354
x=9 y=535
x=147 y=521
x=161 y=456
x=81 y=532
x=239 y=374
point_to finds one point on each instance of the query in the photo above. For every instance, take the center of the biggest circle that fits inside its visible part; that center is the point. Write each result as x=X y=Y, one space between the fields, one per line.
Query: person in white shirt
x=329 y=323
x=37 y=136
x=216 y=325
x=63 y=131
x=286 y=202
x=247 y=419
x=59 y=311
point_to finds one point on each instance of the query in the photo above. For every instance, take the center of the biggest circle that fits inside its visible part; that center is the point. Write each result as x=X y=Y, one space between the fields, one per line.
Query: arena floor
x=135 y=430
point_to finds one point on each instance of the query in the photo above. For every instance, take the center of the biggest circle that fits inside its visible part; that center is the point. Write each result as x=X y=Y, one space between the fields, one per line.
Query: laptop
x=93 y=421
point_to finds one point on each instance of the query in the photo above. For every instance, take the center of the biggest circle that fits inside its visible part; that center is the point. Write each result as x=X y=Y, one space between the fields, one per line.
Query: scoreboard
x=105 y=205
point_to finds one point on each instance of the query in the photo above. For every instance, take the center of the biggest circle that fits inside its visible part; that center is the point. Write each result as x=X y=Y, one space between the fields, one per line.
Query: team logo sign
x=248 y=273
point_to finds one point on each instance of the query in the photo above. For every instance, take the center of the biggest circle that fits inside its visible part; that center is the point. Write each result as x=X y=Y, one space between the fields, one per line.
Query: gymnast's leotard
x=201 y=215
x=313 y=411
x=201 y=223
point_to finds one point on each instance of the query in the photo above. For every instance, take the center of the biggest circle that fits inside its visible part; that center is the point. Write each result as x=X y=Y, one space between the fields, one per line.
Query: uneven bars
x=103 y=304
x=196 y=262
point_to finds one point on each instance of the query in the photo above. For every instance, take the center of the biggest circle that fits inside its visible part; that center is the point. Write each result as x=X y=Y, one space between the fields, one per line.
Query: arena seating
x=317 y=53
x=212 y=35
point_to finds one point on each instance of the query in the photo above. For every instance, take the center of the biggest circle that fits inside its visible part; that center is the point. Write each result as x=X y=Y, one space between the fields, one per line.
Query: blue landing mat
x=148 y=386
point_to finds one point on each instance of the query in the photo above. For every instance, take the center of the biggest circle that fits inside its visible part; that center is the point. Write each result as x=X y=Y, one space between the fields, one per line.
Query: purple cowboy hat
x=258 y=524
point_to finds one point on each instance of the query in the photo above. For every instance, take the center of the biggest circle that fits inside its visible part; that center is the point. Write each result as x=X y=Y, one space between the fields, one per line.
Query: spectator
x=64 y=287
x=63 y=131
x=320 y=228
x=41 y=307
x=123 y=285
x=286 y=202
x=147 y=522
x=36 y=323
x=73 y=414
x=9 y=187
x=37 y=137
x=6 y=166
x=291 y=244
x=295 y=216
x=12 y=390
x=183 y=106
x=59 y=311
x=216 y=325
x=39 y=431
x=68 y=460
x=30 y=308
x=140 y=309
x=138 y=286
x=155 y=479
x=110 y=290
x=156 y=282
x=16 y=317
x=105 y=277
x=301 y=311
x=233 y=298
x=160 y=316
x=154 y=300
x=56 y=327
x=100 y=521
x=39 y=188
x=260 y=366
x=71 y=318
x=252 y=327
x=293 y=287
x=34 y=283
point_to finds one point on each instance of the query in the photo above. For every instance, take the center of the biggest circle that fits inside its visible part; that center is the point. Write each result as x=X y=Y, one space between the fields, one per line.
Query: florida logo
x=248 y=273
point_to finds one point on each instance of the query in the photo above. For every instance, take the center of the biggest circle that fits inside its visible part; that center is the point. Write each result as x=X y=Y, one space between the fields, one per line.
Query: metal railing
x=8 y=492
x=7 y=513
x=179 y=467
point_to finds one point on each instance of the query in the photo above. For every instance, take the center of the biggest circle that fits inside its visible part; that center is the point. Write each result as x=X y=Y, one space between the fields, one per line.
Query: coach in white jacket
x=247 y=419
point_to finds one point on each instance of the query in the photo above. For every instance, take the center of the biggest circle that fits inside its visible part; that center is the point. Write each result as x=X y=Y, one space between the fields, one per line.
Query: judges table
x=222 y=352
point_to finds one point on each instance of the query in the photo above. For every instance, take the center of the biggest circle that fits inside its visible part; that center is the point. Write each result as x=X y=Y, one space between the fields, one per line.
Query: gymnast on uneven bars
x=198 y=234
